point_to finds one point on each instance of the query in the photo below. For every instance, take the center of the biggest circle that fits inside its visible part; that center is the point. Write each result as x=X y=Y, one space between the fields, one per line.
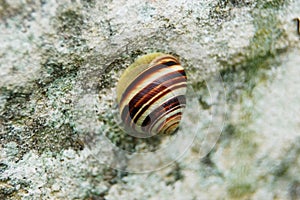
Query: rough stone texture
x=59 y=65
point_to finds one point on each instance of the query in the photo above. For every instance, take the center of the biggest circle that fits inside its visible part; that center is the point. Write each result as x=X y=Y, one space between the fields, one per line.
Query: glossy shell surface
x=151 y=95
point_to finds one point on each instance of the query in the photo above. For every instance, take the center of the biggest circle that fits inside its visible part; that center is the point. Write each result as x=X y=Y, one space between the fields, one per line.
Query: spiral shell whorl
x=151 y=95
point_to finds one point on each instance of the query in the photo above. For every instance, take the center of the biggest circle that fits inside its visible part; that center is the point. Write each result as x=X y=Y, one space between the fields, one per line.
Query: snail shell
x=151 y=95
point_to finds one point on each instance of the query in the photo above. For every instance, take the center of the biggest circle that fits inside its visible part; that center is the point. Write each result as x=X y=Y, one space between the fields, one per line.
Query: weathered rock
x=59 y=65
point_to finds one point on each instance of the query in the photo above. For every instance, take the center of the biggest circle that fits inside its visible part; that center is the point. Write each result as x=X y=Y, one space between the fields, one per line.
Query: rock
x=59 y=130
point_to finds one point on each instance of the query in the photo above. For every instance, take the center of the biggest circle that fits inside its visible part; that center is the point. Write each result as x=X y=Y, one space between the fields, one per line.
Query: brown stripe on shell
x=143 y=76
x=162 y=59
x=129 y=120
x=176 y=124
x=157 y=86
x=149 y=129
x=167 y=121
x=144 y=109
x=154 y=99
x=169 y=104
x=150 y=91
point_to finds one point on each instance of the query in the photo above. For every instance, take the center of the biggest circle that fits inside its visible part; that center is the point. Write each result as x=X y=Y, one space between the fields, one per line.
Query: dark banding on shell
x=151 y=95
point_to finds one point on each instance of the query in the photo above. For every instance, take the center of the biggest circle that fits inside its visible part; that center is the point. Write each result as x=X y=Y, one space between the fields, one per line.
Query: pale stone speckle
x=59 y=65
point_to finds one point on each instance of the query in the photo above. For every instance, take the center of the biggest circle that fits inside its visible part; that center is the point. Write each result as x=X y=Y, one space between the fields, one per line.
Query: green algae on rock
x=53 y=55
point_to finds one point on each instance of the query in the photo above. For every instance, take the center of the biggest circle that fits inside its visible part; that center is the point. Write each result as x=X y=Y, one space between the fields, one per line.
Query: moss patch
x=240 y=80
x=220 y=11
x=174 y=175
x=29 y=124
x=7 y=11
x=261 y=56
x=294 y=190
x=70 y=21
x=240 y=190
x=124 y=141
x=273 y=4
x=38 y=115
x=9 y=190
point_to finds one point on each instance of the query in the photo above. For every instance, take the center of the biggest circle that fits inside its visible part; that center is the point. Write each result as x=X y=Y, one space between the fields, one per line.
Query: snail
x=151 y=95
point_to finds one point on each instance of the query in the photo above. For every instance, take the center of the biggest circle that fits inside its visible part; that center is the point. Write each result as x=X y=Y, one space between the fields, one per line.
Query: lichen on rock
x=59 y=65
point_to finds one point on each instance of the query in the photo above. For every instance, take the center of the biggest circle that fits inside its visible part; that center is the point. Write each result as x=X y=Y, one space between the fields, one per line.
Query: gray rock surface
x=59 y=65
